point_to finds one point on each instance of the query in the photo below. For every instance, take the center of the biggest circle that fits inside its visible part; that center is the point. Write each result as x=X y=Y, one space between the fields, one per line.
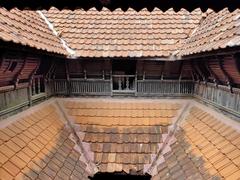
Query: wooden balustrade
x=82 y=87
x=164 y=87
x=123 y=83
x=38 y=85
x=220 y=96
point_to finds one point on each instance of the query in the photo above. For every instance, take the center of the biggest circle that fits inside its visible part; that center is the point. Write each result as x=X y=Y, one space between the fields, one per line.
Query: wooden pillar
x=85 y=74
x=111 y=82
x=103 y=74
x=136 y=79
x=29 y=90
x=68 y=78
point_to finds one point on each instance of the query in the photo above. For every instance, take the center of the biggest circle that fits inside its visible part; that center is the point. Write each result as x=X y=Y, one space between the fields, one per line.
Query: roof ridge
x=70 y=51
x=169 y=138
x=189 y=35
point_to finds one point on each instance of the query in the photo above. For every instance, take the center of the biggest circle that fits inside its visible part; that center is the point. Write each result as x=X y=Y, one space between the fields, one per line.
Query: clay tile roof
x=123 y=136
x=104 y=33
x=37 y=146
x=28 y=28
x=216 y=31
x=205 y=148
x=71 y=138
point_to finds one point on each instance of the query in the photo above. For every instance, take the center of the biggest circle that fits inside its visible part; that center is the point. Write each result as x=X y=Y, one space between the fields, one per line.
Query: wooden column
x=111 y=81
x=136 y=82
x=68 y=78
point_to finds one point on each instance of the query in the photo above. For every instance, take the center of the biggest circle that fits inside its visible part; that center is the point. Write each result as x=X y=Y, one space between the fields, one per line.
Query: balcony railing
x=82 y=87
x=123 y=83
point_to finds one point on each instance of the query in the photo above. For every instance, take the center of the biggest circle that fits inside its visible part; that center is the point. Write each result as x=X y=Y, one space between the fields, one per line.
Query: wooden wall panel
x=186 y=70
x=171 y=70
x=230 y=66
x=151 y=69
x=9 y=69
x=76 y=69
x=29 y=67
x=216 y=69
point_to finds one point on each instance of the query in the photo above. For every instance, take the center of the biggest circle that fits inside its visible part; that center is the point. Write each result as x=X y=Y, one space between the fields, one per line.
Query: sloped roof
x=28 y=28
x=37 y=146
x=123 y=136
x=216 y=31
x=204 y=148
x=119 y=136
x=104 y=33
x=94 y=33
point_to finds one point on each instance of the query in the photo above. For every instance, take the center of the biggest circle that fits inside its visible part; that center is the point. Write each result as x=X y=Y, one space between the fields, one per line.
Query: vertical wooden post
x=29 y=89
x=119 y=83
x=68 y=78
x=135 y=83
x=33 y=86
x=39 y=85
x=103 y=75
x=111 y=81
x=127 y=83
x=85 y=74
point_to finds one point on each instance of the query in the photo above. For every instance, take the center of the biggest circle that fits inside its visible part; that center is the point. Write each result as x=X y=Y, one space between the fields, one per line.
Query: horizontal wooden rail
x=221 y=97
x=82 y=87
x=164 y=87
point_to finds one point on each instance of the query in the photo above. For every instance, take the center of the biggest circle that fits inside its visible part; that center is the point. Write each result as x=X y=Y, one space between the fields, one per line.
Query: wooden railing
x=82 y=87
x=220 y=96
x=60 y=86
x=38 y=85
x=164 y=87
x=90 y=87
x=123 y=83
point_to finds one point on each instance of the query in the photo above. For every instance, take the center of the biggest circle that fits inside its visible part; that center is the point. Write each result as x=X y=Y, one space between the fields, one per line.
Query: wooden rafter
x=215 y=78
x=200 y=72
x=229 y=80
x=195 y=72
x=16 y=79
x=67 y=76
x=33 y=72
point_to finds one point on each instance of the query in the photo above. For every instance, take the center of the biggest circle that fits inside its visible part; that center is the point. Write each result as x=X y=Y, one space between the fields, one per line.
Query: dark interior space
x=119 y=176
x=122 y=67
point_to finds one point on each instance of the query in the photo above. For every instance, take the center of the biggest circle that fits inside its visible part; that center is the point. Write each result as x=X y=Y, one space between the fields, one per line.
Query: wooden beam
x=194 y=72
x=229 y=80
x=16 y=79
x=196 y=66
x=50 y=70
x=215 y=78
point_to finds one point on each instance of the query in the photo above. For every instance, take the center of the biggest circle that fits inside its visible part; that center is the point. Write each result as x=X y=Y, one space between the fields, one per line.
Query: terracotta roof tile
x=28 y=28
x=208 y=157
x=122 y=136
x=32 y=152
x=216 y=31
x=103 y=33
x=203 y=147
